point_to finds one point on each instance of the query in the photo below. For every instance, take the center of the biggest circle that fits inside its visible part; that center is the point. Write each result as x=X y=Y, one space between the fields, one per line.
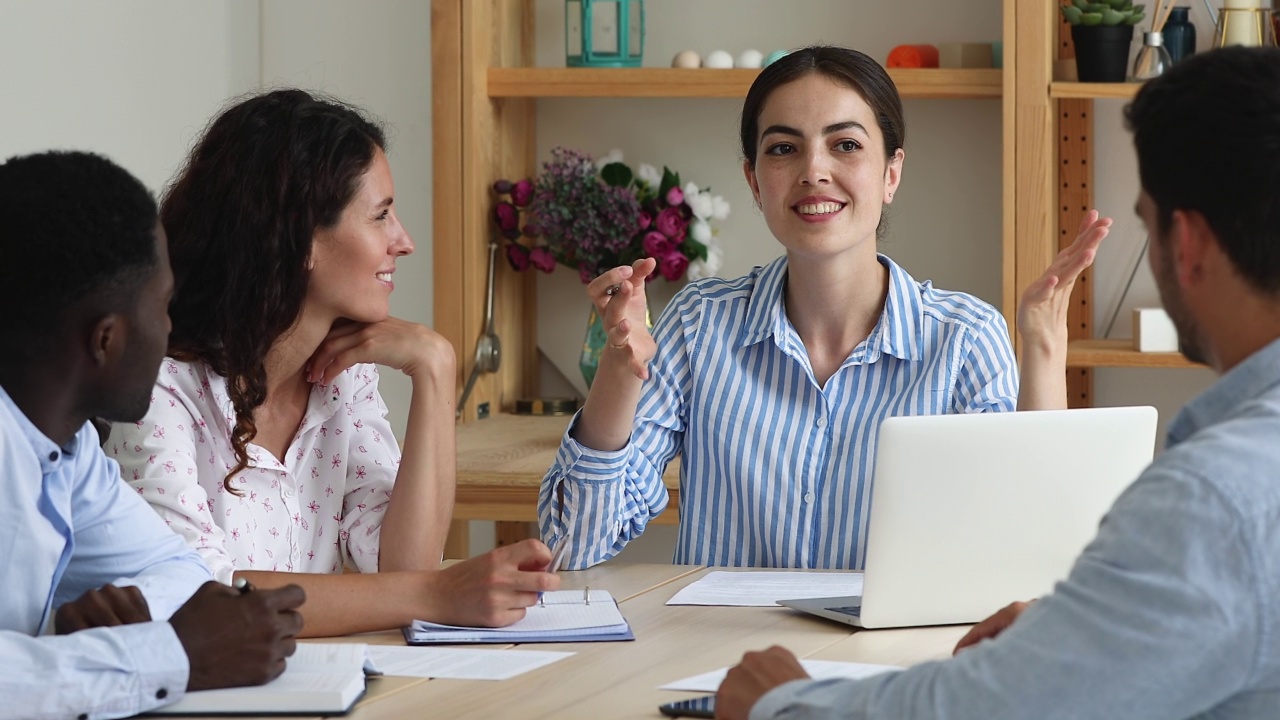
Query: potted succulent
x=1102 y=32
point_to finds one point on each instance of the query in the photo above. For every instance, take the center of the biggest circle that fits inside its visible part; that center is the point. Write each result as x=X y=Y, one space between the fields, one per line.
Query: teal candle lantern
x=603 y=33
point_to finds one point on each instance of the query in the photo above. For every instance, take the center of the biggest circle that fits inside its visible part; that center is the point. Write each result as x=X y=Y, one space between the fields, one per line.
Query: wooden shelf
x=1120 y=354
x=1093 y=91
x=675 y=82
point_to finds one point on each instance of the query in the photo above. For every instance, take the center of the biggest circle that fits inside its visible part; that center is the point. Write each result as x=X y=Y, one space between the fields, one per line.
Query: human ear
x=749 y=173
x=1191 y=238
x=106 y=340
x=893 y=174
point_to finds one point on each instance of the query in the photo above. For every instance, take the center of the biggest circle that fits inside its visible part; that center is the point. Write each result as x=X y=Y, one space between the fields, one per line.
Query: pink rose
x=672 y=265
x=675 y=196
x=645 y=220
x=542 y=259
x=522 y=193
x=518 y=256
x=656 y=244
x=671 y=223
x=507 y=216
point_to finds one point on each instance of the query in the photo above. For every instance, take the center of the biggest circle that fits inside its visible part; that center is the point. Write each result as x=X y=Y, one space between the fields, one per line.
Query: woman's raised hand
x=1042 y=314
x=619 y=297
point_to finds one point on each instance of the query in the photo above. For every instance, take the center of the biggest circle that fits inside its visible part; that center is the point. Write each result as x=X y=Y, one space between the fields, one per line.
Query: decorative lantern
x=603 y=33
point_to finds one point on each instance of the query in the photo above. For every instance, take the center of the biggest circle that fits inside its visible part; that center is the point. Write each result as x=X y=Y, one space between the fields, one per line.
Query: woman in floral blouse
x=267 y=445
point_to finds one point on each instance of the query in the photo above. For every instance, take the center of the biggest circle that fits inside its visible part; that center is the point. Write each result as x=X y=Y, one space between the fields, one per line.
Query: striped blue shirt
x=776 y=470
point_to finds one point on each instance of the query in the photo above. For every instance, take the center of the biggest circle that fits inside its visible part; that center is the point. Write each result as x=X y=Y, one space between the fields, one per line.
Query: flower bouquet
x=595 y=215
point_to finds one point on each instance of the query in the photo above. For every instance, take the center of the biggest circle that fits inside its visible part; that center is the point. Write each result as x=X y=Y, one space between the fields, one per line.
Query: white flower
x=699 y=230
x=700 y=204
x=690 y=190
x=699 y=269
x=719 y=208
x=615 y=155
x=650 y=175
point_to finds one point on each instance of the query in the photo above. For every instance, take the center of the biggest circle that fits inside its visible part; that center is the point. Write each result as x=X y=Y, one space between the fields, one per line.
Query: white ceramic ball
x=686 y=59
x=750 y=59
x=719 y=60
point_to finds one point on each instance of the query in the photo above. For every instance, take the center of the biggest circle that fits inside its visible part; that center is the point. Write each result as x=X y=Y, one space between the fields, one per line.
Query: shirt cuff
x=586 y=464
x=772 y=703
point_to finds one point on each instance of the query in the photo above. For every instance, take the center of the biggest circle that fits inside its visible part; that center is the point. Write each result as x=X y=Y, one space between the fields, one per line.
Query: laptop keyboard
x=854 y=610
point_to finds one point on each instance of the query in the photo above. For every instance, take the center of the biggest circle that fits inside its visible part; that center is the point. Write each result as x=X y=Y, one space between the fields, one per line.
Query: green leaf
x=1072 y=14
x=616 y=174
x=1090 y=19
x=1114 y=17
x=1097 y=8
x=693 y=249
x=1135 y=19
x=669 y=180
x=1082 y=4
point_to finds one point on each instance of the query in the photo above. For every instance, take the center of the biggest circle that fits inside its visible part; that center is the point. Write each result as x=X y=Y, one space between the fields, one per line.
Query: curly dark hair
x=72 y=225
x=268 y=173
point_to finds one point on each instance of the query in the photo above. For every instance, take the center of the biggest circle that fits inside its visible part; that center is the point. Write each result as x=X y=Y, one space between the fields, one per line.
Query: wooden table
x=501 y=461
x=620 y=680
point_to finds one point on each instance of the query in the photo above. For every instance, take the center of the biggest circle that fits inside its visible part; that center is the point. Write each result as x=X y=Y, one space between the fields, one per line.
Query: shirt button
x=288 y=493
x=82 y=716
x=53 y=456
x=822 y=422
x=162 y=694
x=808 y=497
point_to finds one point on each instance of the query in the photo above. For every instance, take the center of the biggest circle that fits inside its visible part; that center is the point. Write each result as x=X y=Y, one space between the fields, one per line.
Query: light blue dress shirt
x=1172 y=611
x=69 y=524
x=775 y=469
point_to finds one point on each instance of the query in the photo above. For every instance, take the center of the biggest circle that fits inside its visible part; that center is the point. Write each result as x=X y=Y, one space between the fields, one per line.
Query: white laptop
x=972 y=512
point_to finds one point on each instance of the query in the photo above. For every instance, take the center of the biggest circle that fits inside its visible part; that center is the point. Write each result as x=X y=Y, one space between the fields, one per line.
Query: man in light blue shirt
x=85 y=284
x=1173 y=610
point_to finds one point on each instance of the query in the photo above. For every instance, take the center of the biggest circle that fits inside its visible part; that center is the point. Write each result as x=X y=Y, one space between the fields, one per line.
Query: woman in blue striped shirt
x=772 y=386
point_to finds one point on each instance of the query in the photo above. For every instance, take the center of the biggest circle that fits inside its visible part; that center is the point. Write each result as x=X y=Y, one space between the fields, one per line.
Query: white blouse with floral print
x=317 y=510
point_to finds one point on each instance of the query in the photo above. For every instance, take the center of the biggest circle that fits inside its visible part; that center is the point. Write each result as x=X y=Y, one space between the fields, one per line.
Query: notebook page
x=765 y=589
x=560 y=610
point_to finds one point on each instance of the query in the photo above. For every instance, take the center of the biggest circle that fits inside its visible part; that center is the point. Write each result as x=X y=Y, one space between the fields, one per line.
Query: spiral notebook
x=561 y=616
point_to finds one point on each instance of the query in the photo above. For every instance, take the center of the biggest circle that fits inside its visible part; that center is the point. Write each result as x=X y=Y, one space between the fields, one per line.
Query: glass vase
x=1179 y=35
x=1153 y=60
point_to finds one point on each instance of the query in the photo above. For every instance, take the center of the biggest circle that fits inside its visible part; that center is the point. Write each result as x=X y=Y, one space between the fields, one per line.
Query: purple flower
x=672 y=265
x=522 y=193
x=645 y=220
x=542 y=259
x=671 y=223
x=502 y=187
x=507 y=216
x=675 y=196
x=656 y=244
x=518 y=256
x=585 y=274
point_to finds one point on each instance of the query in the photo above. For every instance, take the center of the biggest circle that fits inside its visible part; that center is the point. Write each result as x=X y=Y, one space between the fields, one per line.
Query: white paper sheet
x=459 y=663
x=817 y=669
x=764 y=589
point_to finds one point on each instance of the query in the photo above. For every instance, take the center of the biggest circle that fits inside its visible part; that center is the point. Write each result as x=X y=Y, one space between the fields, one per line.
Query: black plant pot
x=1102 y=52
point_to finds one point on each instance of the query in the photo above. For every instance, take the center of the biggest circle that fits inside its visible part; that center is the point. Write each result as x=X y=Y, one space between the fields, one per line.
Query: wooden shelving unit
x=525 y=82
x=1092 y=91
x=1120 y=354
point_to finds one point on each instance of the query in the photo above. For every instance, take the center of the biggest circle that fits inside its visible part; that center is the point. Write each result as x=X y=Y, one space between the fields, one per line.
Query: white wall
x=136 y=80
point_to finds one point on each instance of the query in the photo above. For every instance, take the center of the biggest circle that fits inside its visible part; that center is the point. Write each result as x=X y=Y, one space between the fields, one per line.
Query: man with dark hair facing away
x=105 y=612
x=1173 y=610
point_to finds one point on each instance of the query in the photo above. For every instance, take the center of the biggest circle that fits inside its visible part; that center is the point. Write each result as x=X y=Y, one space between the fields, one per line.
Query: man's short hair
x=72 y=225
x=1207 y=134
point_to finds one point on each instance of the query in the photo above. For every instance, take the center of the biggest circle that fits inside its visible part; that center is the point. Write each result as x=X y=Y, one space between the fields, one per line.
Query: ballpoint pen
x=242 y=585
x=557 y=557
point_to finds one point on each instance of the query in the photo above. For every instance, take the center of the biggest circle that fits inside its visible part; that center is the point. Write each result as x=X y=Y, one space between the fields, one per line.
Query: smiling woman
x=267 y=445
x=772 y=386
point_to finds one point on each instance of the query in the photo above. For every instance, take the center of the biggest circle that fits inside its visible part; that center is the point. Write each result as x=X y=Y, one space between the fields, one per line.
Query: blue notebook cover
x=561 y=616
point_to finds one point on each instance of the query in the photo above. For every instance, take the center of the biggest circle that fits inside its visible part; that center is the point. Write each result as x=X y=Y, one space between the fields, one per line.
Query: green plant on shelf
x=1106 y=12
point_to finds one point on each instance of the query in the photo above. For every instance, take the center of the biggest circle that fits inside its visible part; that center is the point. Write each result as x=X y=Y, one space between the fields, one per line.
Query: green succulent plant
x=1103 y=12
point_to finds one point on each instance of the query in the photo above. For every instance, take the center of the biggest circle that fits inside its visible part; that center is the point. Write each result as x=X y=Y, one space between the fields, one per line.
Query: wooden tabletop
x=620 y=679
x=501 y=462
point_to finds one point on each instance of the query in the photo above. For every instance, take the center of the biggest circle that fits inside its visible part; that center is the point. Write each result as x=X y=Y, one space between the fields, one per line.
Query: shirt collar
x=897 y=333
x=1251 y=379
x=46 y=450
